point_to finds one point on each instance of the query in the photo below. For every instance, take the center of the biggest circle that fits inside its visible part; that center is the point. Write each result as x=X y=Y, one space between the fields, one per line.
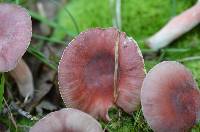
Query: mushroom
x=176 y=27
x=67 y=120
x=15 y=37
x=86 y=72
x=170 y=98
x=15 y=32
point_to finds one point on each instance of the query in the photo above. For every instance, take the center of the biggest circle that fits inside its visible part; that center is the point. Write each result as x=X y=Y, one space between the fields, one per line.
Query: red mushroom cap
x=67 y=120
x=170 y=98
x=15 y=35
x=86 y=72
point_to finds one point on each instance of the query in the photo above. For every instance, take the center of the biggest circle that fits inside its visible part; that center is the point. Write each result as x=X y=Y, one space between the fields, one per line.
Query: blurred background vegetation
x=140 y=19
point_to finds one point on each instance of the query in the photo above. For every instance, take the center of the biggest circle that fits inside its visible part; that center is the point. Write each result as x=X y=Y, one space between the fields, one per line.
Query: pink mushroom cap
x=15 y=35
x=86 y=72
x=67 y=120
x=170 y=98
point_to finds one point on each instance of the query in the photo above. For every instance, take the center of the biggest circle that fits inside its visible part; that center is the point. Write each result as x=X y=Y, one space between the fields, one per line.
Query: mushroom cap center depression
x=184 y=100
x=99 y=72
x=184 y=104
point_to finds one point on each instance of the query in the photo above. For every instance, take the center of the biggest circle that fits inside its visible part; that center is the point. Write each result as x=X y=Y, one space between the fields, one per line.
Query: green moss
x=123 y=122
x=194 y=67
x=142 y=18
x=149 y=64
x=139 y=18
x=87 y=13
x=23 y=124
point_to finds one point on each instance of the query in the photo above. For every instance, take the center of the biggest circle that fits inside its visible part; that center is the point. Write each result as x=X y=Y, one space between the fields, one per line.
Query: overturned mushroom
x=86 y=72
x=176 y=27
x=15 y=37
x=170 y=98
x=67 y=120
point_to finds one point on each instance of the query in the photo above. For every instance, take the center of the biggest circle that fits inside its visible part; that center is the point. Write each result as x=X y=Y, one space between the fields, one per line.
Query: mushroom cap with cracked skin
x=67 y=120
x=86 y=72
x=15 y=35
x=170 y=98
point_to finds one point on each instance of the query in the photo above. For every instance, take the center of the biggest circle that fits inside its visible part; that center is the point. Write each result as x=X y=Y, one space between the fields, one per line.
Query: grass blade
x=50 y=23
x=48 y=39
x=70 y=15
x=40 y=56
x=2 y=83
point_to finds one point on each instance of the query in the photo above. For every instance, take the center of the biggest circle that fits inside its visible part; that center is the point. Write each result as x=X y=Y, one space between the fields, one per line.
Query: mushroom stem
x=118 y=14
x=115 y=6
x=116 y=68
x=24 y=79
x=175 y=27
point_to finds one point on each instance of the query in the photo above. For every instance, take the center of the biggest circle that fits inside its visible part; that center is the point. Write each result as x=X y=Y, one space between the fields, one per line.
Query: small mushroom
x=15 y=37
x=67 y=120
x=170 y=98
x=86 y=72
x=176 y=27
